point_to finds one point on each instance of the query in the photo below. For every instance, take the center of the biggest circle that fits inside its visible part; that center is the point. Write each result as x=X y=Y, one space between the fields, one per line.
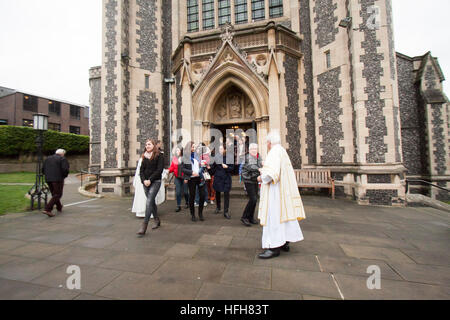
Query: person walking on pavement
x=55 y=169
x=280 y=206
x=222 y=180
x=250 y=174
x=151 y=171
x=181 y=188
x=193 y=175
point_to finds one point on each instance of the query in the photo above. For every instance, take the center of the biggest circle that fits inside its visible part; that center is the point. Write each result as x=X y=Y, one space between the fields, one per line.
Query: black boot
x=246 y=222
x=178 y=209
x=285 y=247
x=252 y=221
x=200 y=216
x=157 y=223
x=193 y=218
x=227 y=215
x=269 y=253
x=143 y=229
x=217 y=211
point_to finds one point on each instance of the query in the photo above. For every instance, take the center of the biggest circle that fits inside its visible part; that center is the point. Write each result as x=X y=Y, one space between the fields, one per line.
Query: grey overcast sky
x=48 y=46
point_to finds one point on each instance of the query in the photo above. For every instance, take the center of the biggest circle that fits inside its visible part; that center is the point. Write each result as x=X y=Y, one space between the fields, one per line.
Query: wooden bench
x=315 y=178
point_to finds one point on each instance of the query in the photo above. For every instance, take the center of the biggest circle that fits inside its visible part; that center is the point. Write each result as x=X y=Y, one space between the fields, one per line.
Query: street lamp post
x=39 y=190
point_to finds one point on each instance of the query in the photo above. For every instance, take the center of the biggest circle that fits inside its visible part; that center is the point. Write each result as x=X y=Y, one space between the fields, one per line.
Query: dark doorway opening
x=236 y=139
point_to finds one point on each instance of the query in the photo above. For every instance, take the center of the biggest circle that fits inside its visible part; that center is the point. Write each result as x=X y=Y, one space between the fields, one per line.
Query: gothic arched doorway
x=233 y=114
x=233 y=110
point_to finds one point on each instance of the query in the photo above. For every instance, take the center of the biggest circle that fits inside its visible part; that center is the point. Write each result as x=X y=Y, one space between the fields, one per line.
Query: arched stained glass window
x=192 y=15
x=275 y=8
x=258 y=10
x=240 y=11
x=208 y=14
x=224 y=11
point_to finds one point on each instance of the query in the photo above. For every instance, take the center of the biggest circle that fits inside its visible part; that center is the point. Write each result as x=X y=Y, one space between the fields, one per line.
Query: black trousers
x=252 y=192
x=56 y=188
x=193 y=184
x=227 y=200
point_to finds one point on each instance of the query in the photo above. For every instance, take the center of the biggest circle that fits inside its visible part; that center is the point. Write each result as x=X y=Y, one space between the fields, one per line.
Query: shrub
x=22 y=140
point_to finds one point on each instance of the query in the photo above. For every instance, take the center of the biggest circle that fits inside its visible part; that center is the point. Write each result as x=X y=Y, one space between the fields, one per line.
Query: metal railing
x=97 y=177
x=408 y=181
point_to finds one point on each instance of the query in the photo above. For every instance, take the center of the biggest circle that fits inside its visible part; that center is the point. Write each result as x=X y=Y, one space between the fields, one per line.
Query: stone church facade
x=334 y=87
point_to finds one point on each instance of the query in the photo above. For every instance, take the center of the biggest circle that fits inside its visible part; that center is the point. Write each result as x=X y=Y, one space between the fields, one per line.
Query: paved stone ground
x=216 y=259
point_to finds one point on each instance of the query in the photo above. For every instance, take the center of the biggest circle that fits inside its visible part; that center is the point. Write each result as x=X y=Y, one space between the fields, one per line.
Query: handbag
x=206 y=175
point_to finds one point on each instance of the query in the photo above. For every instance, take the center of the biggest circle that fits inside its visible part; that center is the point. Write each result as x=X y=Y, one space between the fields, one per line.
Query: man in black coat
x=56 y=169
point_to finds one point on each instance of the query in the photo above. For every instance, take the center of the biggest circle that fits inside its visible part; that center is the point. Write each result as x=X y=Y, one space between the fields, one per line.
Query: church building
x=324 y=73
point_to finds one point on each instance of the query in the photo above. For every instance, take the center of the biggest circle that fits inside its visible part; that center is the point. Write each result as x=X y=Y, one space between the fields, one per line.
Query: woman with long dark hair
x=151 y=170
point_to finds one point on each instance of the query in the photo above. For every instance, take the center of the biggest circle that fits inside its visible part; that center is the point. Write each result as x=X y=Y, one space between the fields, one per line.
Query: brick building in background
x=325 y=73
x=17 y=109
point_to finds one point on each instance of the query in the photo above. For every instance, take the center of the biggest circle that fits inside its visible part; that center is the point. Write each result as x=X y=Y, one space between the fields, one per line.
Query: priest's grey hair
x=61 y=152
x=274 y=137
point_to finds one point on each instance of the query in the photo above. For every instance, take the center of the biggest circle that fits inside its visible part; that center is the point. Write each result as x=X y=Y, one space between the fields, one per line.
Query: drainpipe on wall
x=170 y=81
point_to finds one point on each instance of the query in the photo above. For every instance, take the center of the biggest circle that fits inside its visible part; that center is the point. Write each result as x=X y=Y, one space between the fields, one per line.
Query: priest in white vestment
x=280 y=206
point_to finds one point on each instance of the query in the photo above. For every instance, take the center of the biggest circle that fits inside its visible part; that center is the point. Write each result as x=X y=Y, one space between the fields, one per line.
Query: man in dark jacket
x=55 y=169
x=250 y=174
x=222 y=180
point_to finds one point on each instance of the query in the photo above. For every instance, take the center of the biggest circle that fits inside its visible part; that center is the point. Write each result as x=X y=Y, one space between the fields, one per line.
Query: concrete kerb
x=427 y=201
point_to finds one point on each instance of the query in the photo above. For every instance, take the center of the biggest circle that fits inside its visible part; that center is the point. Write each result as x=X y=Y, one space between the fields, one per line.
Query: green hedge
x=22 y=140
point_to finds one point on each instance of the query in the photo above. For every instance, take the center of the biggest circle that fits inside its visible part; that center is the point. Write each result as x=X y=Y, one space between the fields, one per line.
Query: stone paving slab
x=217 y=258
x=26 y=269
x=135 y=262
x=423 y=273
x=92 y=278
x=290 y=261
x=305 y=282
x=138 y=286
x=354 y=266
x=247 y=276
x=386 y=254
x=57 y=294
x=18 y=290
x=354 y=287
x=214 y=291
x=182 y=250
x=82 y=255
x=36 y=250
x=426 y=257
x=179 y=269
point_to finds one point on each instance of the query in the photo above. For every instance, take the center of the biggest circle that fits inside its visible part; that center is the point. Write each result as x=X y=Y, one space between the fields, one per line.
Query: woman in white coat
x=140 y=200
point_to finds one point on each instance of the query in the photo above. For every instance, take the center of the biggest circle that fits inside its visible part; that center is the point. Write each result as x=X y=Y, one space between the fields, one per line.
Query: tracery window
x=240 y=10
x=258 y=10
x=224 y=11
x=192 y=15
x=275 y=8
x=208 y=14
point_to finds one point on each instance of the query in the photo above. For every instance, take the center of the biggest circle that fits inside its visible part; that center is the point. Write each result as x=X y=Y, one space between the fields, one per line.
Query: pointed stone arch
x=210 y=90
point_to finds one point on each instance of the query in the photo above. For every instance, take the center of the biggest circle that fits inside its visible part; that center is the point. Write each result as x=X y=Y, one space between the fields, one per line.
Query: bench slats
x=315 y=178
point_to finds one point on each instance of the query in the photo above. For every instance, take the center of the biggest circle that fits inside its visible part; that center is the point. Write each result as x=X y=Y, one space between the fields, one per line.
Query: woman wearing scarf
x=150 y=172
x=193 y=175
